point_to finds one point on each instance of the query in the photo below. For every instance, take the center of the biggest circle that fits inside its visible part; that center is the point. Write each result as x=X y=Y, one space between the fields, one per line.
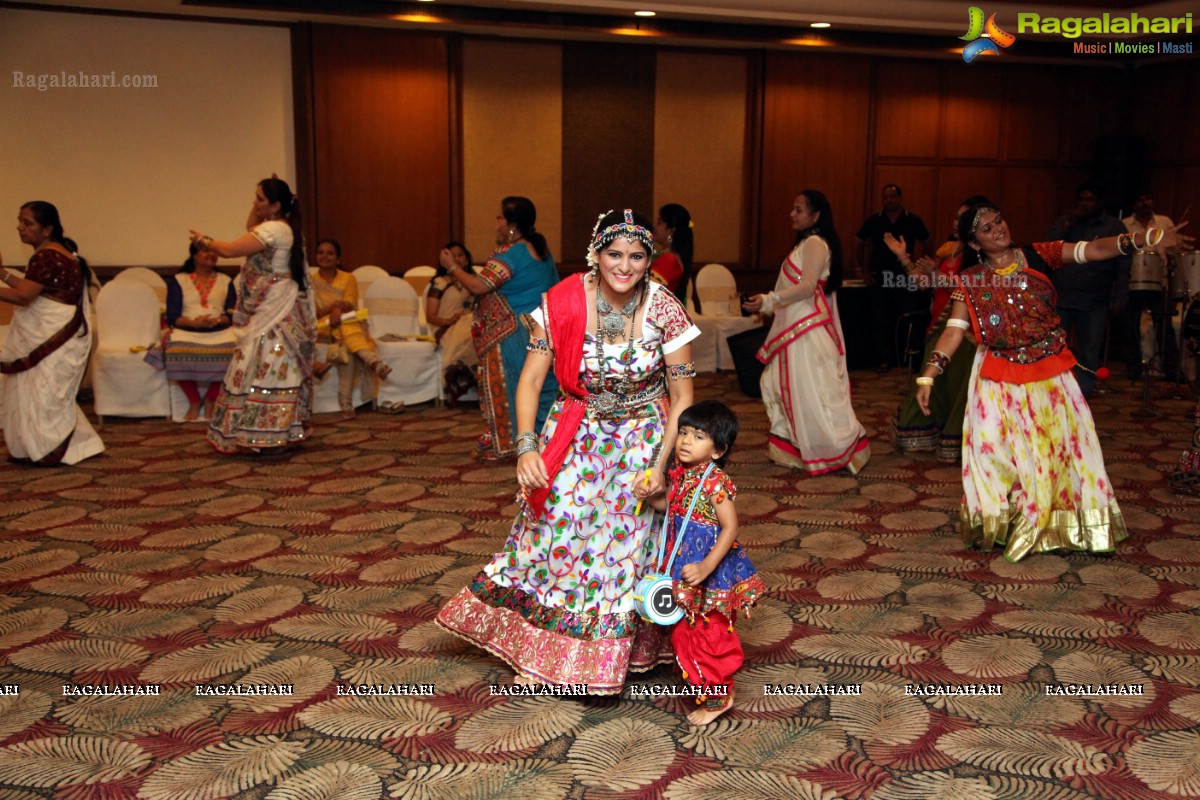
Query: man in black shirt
x=893 y=291
x=1085 y=291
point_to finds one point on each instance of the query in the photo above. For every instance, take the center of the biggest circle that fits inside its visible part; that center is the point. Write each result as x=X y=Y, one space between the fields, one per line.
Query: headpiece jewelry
x=978 y=214
x=627 y=229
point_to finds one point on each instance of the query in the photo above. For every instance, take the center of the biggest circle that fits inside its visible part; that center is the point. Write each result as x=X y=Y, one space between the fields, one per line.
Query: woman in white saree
x=266 y=398
x=805 y=386
x=45 y=353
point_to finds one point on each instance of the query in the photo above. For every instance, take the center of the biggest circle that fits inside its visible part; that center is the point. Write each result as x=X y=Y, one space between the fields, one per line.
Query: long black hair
x=679 y=219
x=818 y=203
x=276 y=190
x=521 y=214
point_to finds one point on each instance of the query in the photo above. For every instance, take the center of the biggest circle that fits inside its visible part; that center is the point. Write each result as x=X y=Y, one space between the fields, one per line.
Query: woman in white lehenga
x=265 y=401
x=46 y=351
x=805 y=386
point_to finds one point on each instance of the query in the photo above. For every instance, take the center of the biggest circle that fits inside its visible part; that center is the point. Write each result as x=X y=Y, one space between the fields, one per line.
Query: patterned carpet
x=163 y=563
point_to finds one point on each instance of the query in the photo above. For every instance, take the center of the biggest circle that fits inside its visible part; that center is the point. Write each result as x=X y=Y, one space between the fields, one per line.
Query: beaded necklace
x=1011 y=268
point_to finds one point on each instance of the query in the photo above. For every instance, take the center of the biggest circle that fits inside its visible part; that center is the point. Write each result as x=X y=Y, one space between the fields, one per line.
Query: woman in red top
x=1033 y=473
x=672 y=265
x=46 y=350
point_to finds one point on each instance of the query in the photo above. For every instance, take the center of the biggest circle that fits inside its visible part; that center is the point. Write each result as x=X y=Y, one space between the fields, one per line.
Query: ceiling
x=887 y=26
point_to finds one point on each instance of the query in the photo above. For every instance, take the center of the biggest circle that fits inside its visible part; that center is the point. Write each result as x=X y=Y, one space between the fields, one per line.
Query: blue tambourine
x=654 y=594
x=654 y=600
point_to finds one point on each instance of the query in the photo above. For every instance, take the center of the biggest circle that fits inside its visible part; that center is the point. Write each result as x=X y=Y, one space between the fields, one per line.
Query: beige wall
x=512 y=139
x=132 y=169
x=699 y=146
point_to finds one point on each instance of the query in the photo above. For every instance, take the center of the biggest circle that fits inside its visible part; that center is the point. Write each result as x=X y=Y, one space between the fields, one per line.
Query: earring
x=670 y=238
x=512 y=234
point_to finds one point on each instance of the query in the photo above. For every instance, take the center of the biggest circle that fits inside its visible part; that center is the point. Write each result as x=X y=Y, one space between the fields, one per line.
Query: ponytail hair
x=83 y=265
x=276 y=190
x=521 y=214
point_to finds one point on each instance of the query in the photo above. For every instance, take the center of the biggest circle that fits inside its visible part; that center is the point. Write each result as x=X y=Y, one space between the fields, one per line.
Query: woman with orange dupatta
x=805 y=385
x=557 y=604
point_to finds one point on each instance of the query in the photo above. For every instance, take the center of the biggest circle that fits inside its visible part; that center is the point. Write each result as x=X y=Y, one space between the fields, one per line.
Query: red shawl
x=565 y=310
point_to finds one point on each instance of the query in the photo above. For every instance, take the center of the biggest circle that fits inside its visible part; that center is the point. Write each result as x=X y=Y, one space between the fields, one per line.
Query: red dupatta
x=565 y=311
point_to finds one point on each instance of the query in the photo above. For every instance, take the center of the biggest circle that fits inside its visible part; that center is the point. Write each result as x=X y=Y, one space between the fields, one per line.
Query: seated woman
x=449 y=310
x=337 y=293
x=200 y=346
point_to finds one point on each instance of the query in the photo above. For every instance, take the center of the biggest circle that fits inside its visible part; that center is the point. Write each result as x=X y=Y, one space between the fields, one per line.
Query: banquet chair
x=419 y=277
x=127 y=323
x=720 y=317
x=365 y=276
x=147 y=276
x=416 y=363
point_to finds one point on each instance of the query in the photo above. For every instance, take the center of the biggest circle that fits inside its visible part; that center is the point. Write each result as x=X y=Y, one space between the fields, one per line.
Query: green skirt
x=940 y=431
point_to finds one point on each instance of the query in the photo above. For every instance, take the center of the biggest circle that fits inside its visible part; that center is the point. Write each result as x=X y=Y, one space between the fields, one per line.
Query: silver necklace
x=605 y=400
x=611 y=323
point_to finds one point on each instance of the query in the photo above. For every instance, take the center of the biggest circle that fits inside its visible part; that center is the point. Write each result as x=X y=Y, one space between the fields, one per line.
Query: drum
x=654 y=600
x=1146 y=273
x=1185 y=281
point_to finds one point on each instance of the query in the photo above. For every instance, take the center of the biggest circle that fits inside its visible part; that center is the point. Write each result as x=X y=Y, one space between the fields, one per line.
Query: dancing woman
x=1033 y=474
x=265 y=401
x=557 y=603
x=805 y=385
x=509 y=287
x=46 y=351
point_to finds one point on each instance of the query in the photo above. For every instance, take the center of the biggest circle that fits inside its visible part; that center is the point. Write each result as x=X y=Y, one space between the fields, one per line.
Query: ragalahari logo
x=996 y=36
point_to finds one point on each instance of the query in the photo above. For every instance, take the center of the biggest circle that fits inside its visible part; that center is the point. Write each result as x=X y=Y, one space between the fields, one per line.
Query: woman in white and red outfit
x=1033 y=474
x=805 y=385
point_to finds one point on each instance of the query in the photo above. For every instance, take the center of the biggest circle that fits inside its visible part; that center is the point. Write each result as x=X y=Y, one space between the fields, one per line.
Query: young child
x=713 y=577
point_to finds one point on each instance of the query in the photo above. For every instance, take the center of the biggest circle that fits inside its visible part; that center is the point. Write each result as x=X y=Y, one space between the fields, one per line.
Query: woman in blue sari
x=509 y=287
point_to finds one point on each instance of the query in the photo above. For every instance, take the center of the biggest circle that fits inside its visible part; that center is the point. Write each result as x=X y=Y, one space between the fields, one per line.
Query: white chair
x=418 y=278
x=416 y=365
x=721 y=318
x=127 y=322
x=148 y=277
x=365 y=276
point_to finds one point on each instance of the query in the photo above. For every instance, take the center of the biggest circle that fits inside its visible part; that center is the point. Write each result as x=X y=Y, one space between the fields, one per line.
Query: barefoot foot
x=193 y=414
x=702 y=716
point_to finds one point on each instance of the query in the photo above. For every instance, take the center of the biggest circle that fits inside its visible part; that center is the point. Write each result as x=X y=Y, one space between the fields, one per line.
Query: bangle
x=526 y=447
x=923 y=381
x=939 y=361
x=1081 y=252
x=1151 y=239
x=527 y=436
x=1124 y=244
x=1133 y=241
